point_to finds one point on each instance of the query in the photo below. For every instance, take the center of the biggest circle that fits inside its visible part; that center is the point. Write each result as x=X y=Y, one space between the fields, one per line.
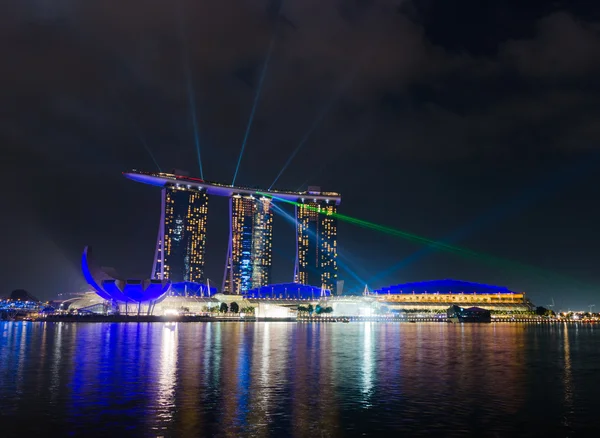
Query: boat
x=458 y=314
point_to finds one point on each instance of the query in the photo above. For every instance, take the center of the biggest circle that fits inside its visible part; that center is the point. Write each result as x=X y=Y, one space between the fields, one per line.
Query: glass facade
x=180 y=249
x=250 y=246
x=293 y=291
x=189 y=289
x=316 y=263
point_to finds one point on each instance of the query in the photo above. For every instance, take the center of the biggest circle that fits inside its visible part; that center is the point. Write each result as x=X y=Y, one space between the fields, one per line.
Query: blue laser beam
x=326 y=162
x=316 y=123
x=320 y=117
x=192 y=104
x=530 y=196
x=138 y=133
x=314 y=174
x=263 y=74
x=143 y=141
x=344 y=265
x=189 y=85
x=135 y=127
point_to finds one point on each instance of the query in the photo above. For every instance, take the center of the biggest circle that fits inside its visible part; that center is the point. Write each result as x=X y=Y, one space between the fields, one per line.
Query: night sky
x=473 y=122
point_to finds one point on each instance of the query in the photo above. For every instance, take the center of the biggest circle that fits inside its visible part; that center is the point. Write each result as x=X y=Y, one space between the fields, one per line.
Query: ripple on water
x=287 y=379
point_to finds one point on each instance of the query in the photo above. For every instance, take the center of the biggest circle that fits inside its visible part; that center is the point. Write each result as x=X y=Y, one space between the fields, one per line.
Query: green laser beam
x=494 y=260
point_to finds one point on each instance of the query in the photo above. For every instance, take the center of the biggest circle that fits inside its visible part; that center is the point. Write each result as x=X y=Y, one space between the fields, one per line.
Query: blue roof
x=445 y=286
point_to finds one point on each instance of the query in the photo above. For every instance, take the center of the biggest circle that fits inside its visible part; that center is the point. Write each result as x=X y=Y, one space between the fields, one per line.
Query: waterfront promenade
x=314 y=319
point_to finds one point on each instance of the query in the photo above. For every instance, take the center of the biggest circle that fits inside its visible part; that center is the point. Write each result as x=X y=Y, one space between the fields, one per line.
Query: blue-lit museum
x=119 y=290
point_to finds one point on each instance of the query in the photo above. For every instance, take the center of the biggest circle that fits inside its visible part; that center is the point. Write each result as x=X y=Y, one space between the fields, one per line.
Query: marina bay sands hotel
x=181 y=242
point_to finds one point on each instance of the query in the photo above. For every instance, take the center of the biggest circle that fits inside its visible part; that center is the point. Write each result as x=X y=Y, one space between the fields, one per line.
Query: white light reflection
x=368 y=363
x=21 y=360
x=56 y=361
x=206 y=352
x=167 y=375
x=217 y=352
x=567 y=378
x=264 y=369
x=44 y=327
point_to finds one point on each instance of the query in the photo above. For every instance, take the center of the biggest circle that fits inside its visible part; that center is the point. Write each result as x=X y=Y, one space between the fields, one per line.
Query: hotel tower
x=316 y=242
x=181 y=242
x=249 y=255
x=180 y=247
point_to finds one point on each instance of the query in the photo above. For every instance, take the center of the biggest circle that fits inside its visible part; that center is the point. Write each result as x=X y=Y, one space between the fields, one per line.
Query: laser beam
x=326 y=162
x=192 y=104
x=189 y=85
x=342 y=264
x=483 y=257
x=135 y=127
x=557 y=180
x=320 y=117
x=138 y=133
x=149 y=151
x=263 y=73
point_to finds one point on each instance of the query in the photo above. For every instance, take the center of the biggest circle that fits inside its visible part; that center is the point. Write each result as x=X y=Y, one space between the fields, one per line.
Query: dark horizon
x=470 y=124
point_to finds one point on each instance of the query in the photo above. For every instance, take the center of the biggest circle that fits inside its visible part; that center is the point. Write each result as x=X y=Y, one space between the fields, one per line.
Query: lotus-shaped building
x=118 y=290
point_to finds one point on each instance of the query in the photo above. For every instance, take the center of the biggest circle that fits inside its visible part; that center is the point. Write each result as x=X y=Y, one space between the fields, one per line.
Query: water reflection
x=567 y=379
x=262 y=389
x=21 y=357
x=287 y=379
x=56 y=360
x=167 y=376
x=367 y=363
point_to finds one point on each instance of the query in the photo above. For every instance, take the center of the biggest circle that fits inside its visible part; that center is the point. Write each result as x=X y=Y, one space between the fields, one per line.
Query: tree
x=310 y=309
x=234 y=307
x=542 y=311
x=224 y=308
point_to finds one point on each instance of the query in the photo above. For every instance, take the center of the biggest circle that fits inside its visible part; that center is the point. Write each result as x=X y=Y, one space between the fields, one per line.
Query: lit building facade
x=181 y=243
x=180 y=247
x=316 y=258
x=442 y=293
x=287 y=291
x=249 y=256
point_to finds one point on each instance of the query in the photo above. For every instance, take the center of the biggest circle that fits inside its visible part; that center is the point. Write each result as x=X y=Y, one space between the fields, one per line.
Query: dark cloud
x=415 y=97
x=564 y=48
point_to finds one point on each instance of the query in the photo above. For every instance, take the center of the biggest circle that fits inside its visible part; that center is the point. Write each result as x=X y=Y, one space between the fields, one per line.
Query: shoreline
x=328 y=320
